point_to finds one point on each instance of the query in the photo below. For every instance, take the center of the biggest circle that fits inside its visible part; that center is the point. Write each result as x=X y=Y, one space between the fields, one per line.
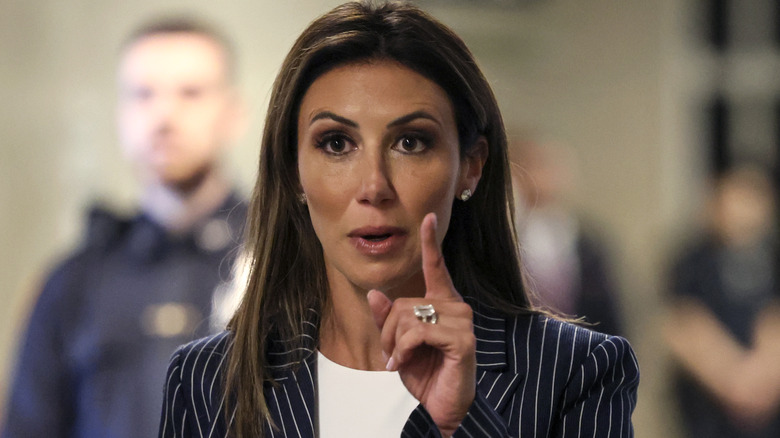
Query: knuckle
x=402 y=303
x=471 y=342
x=462 y=310
x=422 y=332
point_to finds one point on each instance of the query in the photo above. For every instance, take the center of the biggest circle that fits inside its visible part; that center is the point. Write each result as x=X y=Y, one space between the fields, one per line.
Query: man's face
x=176 y=107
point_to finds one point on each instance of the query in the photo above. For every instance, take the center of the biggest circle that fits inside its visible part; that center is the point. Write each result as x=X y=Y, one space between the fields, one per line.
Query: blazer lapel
x=292 y=401
x=495 y=380
x=292 y=393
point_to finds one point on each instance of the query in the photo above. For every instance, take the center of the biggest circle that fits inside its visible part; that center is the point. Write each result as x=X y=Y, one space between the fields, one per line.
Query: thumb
x=380 y=306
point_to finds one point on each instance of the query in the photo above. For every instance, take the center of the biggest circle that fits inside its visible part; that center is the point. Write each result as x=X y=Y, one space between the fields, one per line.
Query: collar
x=215 y=233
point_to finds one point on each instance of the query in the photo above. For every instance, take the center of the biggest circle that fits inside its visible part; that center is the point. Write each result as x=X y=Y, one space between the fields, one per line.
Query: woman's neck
x=349 y=335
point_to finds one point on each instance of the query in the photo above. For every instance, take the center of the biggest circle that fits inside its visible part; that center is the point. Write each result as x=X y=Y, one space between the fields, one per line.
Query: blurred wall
x=614 y=80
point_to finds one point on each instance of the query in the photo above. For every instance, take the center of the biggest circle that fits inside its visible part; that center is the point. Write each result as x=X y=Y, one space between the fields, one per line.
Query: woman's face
x=377 y=151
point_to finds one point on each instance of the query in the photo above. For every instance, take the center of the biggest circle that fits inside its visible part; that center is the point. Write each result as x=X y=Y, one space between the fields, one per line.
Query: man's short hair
x=187 y=25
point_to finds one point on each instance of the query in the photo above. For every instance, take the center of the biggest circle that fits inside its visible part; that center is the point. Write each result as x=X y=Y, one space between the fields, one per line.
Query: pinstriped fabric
x=193 y=397
x=579 y=383
x=536 y=377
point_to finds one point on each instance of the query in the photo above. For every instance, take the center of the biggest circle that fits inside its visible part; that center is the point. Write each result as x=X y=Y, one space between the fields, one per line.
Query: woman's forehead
x=357 y=88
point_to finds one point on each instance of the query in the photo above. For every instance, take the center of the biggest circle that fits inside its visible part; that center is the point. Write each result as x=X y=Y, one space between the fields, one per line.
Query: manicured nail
x=390 y=364
x=384 y=355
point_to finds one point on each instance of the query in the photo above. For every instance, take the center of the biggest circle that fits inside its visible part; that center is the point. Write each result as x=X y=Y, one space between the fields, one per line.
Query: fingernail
x=384 y=356
x=390 y=364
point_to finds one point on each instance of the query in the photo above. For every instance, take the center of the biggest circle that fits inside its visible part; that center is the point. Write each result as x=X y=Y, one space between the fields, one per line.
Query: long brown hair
x=287 y=275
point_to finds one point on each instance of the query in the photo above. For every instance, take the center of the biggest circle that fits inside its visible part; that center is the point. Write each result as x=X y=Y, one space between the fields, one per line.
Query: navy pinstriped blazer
x=536 y=377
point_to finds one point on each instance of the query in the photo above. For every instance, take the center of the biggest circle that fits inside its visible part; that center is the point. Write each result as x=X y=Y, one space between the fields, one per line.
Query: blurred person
x=565 y=260
x=110 y=316
x=384 y=294
x=724 y=319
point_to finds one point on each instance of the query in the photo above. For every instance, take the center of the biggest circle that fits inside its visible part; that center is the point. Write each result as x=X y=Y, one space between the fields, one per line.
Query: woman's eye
x=411 y=144
x=335 y=144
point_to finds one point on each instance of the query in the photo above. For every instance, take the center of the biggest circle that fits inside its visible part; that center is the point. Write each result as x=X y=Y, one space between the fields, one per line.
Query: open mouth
x=376 y=241
x=376 y=237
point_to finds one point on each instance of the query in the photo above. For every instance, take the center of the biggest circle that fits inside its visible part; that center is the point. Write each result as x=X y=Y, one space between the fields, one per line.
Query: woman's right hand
x=436 y=362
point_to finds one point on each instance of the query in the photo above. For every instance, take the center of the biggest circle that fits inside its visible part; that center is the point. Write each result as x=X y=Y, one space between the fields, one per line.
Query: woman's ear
x=472 y=164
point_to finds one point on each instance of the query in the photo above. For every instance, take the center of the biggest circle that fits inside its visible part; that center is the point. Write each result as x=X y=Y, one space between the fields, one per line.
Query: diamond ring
x=426 y=313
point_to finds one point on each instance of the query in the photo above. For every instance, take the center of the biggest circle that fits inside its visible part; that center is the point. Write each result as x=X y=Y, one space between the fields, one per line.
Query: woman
x=384 y=156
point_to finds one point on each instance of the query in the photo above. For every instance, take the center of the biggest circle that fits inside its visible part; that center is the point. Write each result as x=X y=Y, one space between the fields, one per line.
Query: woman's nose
x=376 y=186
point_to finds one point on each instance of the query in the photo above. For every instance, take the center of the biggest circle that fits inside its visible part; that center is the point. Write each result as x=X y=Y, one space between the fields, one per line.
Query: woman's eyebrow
x=412 y=116
x=332 y=116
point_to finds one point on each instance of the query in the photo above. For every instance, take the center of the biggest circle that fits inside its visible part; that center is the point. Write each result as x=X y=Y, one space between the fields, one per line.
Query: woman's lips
x=374 y=241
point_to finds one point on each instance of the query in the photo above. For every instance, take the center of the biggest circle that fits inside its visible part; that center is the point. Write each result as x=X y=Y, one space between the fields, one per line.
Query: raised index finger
x=438 y=283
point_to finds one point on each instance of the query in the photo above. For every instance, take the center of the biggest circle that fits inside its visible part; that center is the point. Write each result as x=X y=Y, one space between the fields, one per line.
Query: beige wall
x=612 y=79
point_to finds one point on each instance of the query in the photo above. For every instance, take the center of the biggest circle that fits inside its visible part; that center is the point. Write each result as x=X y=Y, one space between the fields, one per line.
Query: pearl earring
x=465 y=195
x=302 y=198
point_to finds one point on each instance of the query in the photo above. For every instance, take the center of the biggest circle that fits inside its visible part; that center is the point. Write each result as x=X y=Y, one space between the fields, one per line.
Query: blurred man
x=94 y=357
x=724 y=320
x=565 y=261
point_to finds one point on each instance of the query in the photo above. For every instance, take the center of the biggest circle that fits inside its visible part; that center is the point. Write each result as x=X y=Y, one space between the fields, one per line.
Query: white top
x=355 y=403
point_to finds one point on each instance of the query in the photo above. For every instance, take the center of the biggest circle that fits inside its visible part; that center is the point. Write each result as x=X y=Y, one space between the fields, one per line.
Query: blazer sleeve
x=174 y=423
x=600 y=397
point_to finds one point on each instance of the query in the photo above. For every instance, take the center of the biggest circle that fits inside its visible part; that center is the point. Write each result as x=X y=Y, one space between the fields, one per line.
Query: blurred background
x=651 y=97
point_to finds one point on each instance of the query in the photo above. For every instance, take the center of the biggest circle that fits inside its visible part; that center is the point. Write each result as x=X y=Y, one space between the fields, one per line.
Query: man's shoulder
x=68 y=275
x=65 y=282
x=103 y=231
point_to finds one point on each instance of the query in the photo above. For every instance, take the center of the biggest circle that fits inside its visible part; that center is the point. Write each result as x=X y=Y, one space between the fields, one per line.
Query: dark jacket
x=108 y=320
